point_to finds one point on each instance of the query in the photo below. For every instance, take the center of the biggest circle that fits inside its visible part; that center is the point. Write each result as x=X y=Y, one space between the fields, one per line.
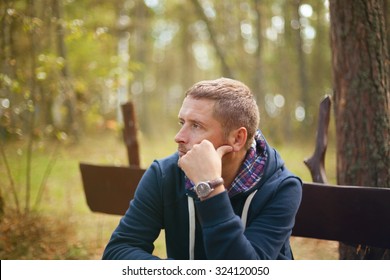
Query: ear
x=238 y=138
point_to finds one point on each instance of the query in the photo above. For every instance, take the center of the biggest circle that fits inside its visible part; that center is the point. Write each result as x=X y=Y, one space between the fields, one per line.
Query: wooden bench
x=350 y=214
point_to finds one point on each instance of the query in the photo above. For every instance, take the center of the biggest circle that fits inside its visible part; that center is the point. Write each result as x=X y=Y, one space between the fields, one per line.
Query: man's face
x=197 y=123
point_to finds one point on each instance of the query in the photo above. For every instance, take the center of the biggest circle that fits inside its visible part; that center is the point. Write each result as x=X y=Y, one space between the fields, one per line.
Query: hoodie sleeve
x=140 y=226
x=270 y=221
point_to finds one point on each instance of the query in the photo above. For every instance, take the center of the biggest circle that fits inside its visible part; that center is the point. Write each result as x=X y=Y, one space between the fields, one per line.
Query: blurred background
x=67 y=66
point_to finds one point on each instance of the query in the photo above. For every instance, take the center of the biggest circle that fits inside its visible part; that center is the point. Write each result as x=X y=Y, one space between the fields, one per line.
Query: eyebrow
x=192 y=121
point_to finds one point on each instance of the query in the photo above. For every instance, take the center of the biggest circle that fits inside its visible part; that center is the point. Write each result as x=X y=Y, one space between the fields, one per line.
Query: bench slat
x=108 y=189
x=351 y=214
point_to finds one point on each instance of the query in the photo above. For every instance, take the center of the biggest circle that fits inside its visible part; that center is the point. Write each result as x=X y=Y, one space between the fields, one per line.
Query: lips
x=182 y=151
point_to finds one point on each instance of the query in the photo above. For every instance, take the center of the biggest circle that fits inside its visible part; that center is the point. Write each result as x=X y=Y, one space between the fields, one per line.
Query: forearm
x=223 y=231
x=133 y=238
x=122 y=251
x=140 y=226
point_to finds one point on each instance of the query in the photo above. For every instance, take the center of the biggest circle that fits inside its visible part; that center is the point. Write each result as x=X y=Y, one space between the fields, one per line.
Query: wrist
x=206 y=189
x=216 y=191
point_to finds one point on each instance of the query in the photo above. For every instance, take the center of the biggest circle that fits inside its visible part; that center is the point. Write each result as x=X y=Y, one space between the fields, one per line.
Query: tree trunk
x=66 y=86
x=1 y=207
x=139 y=50
x=301 y=58
x=258 y=74
x=225 y=69
x=387 y=19
x=362 y=112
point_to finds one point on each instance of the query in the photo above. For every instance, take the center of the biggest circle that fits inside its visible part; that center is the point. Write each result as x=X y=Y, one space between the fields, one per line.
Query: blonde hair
x=235 y=105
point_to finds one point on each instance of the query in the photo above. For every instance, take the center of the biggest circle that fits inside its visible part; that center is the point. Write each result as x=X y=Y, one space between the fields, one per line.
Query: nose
x=180 y=136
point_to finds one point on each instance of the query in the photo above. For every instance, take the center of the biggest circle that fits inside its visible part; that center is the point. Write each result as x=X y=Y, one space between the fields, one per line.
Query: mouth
x=181 y=151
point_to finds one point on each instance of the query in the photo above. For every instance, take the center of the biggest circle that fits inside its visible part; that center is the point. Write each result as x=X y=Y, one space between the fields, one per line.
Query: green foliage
x=60 y=59
x=38 y=237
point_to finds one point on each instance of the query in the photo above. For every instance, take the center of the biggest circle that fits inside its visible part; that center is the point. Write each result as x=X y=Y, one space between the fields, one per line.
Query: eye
x=195 y=125
x=181 y=122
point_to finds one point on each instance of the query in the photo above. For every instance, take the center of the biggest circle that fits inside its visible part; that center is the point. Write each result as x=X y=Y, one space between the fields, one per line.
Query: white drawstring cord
x=191 y=213
x=244 y=214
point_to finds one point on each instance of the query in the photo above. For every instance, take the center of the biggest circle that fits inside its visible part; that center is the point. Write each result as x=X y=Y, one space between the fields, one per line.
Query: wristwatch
x=203 y=189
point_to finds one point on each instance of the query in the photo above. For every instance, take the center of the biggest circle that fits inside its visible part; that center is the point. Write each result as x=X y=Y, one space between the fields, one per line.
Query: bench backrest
x=109 y=189
x=353 y=215
x=349 y=214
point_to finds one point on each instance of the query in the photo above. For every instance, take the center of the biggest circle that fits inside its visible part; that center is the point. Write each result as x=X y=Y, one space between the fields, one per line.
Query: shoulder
x=167 y=175
x=161 y=175
x=278 y=177
x=167 y=162
x=161 y=168
x=166 y=167
x=276 y=168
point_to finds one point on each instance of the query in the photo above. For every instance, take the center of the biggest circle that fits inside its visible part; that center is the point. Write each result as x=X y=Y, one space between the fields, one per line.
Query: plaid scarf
x=250 y=171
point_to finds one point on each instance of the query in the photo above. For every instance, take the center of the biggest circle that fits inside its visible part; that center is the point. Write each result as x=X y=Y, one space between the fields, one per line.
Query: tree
x=361 y=90
x=225 y=69
x=66 y=87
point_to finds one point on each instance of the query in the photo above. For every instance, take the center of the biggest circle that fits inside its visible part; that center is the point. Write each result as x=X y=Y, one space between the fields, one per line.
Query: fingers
x=203 y=161
x=203 y=151
x=223 y=150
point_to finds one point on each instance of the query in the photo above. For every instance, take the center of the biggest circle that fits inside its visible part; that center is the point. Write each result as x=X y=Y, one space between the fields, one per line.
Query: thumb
x=223 y=150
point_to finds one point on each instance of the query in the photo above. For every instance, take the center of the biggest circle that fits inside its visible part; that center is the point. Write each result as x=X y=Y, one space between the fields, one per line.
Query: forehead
x=197 y=109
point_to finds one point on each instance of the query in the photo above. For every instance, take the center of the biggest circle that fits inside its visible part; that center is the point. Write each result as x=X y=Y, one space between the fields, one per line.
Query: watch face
x=203 y=189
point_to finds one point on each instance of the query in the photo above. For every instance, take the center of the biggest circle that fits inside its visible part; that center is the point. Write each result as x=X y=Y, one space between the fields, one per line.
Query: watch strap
x=216 y=182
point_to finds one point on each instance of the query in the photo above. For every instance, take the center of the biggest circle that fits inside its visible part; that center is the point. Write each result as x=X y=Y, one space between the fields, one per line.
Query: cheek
x=218 y=141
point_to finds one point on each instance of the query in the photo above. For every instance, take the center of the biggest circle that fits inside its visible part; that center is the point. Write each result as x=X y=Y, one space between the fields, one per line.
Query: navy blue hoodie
x=161 y=202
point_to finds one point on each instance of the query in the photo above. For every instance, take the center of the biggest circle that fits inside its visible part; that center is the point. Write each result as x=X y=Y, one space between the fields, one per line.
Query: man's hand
x=203 y=162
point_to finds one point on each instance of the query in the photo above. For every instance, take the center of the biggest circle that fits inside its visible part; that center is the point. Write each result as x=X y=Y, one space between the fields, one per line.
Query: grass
x=63 y=227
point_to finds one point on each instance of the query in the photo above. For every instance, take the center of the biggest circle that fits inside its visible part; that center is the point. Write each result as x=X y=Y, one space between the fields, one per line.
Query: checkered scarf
x=250 y=171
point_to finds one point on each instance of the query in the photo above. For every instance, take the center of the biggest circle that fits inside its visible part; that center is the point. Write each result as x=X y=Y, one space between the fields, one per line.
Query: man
x=225 y=194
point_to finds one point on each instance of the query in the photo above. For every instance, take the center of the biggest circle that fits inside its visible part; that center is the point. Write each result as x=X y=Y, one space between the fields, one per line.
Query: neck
x=231 y=164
